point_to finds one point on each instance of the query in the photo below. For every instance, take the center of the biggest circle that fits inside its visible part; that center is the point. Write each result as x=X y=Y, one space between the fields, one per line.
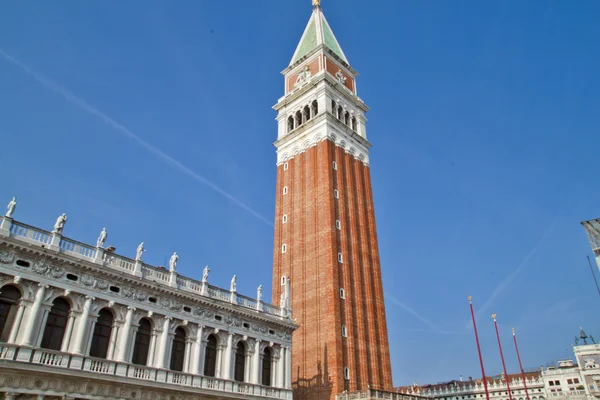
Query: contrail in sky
x=70 y=97
x=411 y=311
x=516 y=272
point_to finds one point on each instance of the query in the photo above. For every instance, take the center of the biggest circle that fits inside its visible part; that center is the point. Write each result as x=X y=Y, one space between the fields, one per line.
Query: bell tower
x=325 y=235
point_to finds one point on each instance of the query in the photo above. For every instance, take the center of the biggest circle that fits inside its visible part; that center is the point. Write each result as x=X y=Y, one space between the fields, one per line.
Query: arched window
x=9 y=299
x=56 y=324
x=102 y=332
x=142 y=343
x=240 y=362
x=210 y=358
x=178 y=350
x=339 y=113
x=354 y=124
x=290 y=123
x=298 y=119
x=333 y=107
x=347 y=118
x=306 y=114
x=266 y=367
x=314 y=108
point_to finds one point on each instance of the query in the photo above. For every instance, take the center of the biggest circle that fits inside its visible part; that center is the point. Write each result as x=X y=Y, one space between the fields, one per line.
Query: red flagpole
x=520 y=365
x=485 y=387
x=502 y=357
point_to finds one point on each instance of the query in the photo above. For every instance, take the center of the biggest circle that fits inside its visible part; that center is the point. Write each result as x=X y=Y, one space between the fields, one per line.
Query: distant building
x=79 y=321
x=588 y=359
x=474 y=389
x=564 y=381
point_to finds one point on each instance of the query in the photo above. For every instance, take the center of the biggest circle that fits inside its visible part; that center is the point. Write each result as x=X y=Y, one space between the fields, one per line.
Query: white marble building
x=78 y=321
x=564 y=381
x=588 y=359
x=473 y=389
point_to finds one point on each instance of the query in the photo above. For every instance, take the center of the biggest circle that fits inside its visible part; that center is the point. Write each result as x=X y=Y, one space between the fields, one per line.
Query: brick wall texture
x=320 y=353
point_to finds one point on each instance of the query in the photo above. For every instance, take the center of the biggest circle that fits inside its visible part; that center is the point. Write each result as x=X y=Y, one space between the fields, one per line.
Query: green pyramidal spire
x=317 y=33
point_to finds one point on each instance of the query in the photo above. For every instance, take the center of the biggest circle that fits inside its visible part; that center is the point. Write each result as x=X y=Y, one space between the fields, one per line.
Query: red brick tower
x=325 y=236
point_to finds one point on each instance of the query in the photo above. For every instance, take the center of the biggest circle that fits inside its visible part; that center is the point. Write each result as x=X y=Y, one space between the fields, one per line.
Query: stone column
x=161 y=361
x=12 y=338
x=189 y=344
x=198 y=358
x=247 y=365
x=80 y=339
x=152 y=349
x=124 y=337
x=256 y=363
x=288 y=368
x=219 y=361
x=281 y=370
x=112 y=344
x=228 y=356
x=68 y=332
x=273 y=369
x=34 y=315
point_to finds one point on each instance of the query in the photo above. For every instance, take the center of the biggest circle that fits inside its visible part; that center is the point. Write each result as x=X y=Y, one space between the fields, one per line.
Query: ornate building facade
x=325 y=233
x=79 y=321
x=473 y=389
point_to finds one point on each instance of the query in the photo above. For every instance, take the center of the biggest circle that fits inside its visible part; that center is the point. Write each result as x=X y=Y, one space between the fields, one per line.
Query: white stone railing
x=567 y=393
x=377 y=394
x=107 y=368
x=42 y=238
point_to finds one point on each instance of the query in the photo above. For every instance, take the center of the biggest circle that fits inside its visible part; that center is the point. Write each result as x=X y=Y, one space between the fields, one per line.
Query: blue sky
x=484 y=123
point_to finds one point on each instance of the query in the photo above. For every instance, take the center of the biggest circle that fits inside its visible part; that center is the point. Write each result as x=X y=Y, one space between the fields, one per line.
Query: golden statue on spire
x=316 y=3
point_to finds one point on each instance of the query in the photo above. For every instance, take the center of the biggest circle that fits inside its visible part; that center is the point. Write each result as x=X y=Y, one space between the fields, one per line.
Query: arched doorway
x=9 y=301
x=178 y=350
x=240 y=362
x=102 y=333
x=141 y=346
x=210 y=359
x=56 y=324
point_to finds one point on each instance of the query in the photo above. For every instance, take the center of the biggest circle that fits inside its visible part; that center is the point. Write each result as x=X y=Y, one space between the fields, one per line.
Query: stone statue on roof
x=138 y=253
x=101 y=238
x=11 y=208
x=60 y=224
x=316 y=3
x=205 y=274
x=173 y=262
x=233 y=286
x=259 y=293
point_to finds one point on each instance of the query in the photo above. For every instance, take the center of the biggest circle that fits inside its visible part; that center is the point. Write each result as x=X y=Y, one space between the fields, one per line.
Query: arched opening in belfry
x=314 y=108
x=305 y=114
x=240 y=362
x=354 y=124
x=298 y=119
x=178 y=350
x=56 y=324
x=347 y=118
x=10 y=297
x=290 y=123
x=266 y=367
x=210 y=358
x=102 y=333
x=141 y=345
x=340 y=113
x=333 y=107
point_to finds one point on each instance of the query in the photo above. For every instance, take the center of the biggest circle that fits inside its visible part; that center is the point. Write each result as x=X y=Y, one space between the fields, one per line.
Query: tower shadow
x=317 y=387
